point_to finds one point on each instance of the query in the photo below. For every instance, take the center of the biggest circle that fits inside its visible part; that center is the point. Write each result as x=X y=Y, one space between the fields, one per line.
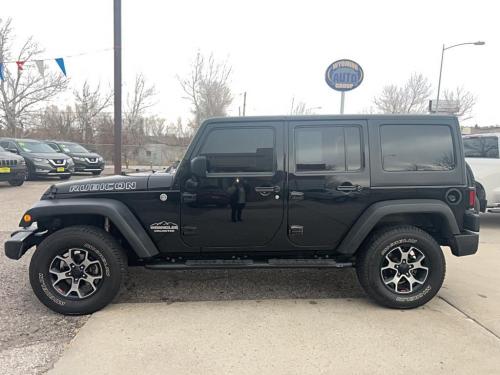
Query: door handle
x=296 y=195
x=349 y=187
x=267 y=189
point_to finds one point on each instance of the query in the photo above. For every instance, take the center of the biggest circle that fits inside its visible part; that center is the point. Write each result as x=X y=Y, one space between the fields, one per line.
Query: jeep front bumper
x=21 y=241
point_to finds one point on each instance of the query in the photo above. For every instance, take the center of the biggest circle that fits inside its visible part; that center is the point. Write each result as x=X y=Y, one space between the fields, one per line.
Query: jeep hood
x=111 y=184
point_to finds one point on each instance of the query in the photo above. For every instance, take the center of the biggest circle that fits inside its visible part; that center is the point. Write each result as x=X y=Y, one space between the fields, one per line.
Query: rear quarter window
x=417 y=148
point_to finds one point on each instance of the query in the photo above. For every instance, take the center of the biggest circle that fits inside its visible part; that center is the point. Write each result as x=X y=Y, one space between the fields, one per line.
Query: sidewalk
x=339 y=336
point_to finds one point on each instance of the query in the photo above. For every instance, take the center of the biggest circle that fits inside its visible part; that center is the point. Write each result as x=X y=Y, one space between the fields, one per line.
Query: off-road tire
x=106 y=249
x=16 y=182
x=373 y=252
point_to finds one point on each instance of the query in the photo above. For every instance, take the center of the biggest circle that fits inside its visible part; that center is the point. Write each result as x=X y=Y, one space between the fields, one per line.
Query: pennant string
x=65 y=57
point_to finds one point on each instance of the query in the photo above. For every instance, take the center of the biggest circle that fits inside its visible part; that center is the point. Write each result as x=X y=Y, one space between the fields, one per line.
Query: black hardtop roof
x=426 y=117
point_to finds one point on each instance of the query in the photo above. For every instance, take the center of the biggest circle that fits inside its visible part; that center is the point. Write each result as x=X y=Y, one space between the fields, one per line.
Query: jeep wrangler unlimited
x=380 y=193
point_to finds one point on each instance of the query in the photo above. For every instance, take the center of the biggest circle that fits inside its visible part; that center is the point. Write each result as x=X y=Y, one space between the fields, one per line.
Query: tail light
x=472 y=197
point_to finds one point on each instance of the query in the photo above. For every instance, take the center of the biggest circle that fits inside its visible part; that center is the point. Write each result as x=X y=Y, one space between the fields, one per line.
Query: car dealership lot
x=198 y=322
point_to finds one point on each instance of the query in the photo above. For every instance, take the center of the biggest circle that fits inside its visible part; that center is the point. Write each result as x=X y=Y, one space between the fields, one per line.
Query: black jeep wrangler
x=380 y=193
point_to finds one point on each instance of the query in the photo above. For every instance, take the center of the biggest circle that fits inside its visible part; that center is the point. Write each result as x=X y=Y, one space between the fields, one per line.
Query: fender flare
x=116 y=211
x=377 y=211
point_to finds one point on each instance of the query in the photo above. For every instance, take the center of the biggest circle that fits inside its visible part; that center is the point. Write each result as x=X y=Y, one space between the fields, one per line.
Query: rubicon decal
x=164 y=227
x=105 y=186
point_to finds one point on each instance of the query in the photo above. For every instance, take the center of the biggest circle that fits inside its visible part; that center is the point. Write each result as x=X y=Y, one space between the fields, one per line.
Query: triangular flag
x=20 y=65
x=40 y=66
x=60 y=62
x=1 y=71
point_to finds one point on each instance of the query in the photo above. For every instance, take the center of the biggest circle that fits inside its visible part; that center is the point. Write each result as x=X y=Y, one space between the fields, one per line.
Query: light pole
x=478 y=43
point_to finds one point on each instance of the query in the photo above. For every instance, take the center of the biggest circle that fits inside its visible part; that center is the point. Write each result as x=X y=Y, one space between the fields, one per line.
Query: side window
x=328 y=148
x=53 y=146
x=239 y=150
x=417 y=148
x=481 y=147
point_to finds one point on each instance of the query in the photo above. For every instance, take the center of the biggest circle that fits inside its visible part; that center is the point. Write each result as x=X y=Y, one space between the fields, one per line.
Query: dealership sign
x=344 y=75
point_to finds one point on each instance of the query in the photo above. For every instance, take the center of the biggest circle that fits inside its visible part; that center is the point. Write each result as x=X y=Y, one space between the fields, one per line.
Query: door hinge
x=296 y=230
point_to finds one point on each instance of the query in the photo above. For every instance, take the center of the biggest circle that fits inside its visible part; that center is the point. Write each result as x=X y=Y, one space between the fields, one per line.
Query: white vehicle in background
x=482 y=154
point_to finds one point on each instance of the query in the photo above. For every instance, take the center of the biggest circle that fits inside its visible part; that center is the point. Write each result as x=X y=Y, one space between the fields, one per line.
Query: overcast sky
x=278 y=49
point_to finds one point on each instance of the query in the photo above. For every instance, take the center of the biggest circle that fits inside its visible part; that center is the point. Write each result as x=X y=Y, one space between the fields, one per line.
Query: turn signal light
x=27 y=218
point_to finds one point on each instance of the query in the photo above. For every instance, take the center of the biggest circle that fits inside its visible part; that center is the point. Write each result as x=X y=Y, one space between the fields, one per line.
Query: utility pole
x=244 y=102
x=117 y=34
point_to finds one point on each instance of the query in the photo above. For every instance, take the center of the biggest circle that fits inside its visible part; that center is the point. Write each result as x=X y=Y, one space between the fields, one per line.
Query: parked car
x=12 y=168
x=378 y=193
x=40 y=158
x=85 y=160
x=482 y=154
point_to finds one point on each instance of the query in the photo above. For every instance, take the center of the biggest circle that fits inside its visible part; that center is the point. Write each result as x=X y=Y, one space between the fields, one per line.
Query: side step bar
x=248 y=263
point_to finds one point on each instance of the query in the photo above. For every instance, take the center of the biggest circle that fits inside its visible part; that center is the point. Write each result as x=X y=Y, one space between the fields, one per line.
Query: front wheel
x=96 y=173
x=16 y=182
x=77 y=270
x=401 y=267
x=66 y=177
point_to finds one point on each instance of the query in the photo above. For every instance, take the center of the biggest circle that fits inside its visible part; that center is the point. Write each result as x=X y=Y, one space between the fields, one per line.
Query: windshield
x=73 y=147
x=34 y=146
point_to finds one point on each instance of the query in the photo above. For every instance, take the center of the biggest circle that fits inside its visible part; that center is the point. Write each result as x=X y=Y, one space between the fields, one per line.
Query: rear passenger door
x=329 y=181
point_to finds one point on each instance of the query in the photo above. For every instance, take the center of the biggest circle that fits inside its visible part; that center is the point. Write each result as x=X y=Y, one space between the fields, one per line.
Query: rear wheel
x=401 y=267
x=77 y=270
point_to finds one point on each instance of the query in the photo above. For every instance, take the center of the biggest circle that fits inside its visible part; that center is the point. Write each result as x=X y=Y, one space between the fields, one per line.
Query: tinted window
x=239 y=150
x=481 y=147
x=327 y=148
x=34 y=146
x=417 y=148
x=73 y=147
x=54 y=147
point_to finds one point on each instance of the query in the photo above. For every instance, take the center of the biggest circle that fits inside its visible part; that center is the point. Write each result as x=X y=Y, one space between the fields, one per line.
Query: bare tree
x=89 y=104
x=57 y=124
x=207 y=88
x=465 y=102
x=301 y=108
x=411 y=98
x=22 y=91
x=138 y=101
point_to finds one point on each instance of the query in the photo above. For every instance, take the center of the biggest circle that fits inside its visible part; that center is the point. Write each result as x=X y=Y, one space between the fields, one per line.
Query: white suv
x=482 y=154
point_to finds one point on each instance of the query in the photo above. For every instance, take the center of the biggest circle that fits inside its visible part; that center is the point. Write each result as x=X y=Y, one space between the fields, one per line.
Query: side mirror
x=199 y=166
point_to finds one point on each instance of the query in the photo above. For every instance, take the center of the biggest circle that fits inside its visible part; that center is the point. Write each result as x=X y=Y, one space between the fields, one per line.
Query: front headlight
x=22 y=162
x=71 y=162
x=101 y=159
x=40 y=160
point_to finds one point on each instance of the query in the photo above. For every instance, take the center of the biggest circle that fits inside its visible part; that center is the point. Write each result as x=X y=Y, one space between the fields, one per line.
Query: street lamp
x=478 y=43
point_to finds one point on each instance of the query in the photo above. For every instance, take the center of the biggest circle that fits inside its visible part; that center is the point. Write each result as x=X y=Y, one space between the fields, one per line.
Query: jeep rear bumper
x=21 y=241
x=465 y=243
